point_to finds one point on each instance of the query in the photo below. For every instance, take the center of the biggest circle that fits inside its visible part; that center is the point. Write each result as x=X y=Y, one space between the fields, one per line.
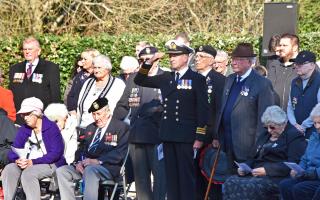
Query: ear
x=295 y=48
x=39 y=51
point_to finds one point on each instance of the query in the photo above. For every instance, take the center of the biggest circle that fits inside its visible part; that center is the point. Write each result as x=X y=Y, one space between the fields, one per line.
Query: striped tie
x=96 y=141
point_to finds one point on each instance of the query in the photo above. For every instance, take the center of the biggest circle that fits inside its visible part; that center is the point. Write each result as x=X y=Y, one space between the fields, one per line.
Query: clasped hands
x=88 y=161
x=24 y=163
x=260 y=171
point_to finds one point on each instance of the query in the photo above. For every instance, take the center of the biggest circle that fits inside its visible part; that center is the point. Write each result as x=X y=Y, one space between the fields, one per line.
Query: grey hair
x=31 y=39
x=222 y=54
x=103 y=60
x=315 y=111
x=274 y=114
x=54 y=111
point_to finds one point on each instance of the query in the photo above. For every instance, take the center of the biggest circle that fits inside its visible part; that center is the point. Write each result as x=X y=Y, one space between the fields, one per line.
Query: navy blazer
x=185 y=113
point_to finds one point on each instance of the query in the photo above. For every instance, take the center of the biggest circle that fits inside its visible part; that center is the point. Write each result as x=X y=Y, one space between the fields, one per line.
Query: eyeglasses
x=23 y=115
x=141 y=60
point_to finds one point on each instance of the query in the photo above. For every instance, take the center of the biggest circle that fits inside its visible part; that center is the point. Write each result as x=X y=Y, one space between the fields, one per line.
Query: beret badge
x=95 y=105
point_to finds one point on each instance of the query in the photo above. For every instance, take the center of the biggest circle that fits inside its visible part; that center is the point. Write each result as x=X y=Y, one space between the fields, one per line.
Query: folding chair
x=121 y=184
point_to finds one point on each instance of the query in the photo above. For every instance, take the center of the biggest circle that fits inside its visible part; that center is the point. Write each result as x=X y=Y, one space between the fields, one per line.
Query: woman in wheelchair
x=36 y=153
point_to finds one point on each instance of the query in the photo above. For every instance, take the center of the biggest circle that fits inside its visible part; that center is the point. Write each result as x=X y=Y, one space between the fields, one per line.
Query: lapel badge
x=294 y=102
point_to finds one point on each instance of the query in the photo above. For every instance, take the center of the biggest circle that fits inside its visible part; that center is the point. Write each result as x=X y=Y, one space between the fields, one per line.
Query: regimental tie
x=29 y=70
x=96 y=141
x=177 y=77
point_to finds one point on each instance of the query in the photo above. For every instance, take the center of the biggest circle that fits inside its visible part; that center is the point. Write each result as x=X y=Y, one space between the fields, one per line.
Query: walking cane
x=213 y=170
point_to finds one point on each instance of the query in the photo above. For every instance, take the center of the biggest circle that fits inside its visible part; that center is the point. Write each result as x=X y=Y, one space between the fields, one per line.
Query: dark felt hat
x=176 y=47
x=207 y=158
x=206 y=49
x=304 y=57
x=98 y=104
x=243 y=50
x=148 y=51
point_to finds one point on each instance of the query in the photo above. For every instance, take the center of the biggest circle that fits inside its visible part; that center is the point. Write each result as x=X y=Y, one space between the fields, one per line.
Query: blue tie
x=96 y=141
x=238 y=79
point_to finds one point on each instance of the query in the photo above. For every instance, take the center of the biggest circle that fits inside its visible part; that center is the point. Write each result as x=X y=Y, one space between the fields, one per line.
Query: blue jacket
x=311 y=157
x=52 y=139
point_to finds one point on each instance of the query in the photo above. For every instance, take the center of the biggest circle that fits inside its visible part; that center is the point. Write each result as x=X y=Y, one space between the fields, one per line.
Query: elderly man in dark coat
x=34 y=77
x=246 y=96
x=101 y=155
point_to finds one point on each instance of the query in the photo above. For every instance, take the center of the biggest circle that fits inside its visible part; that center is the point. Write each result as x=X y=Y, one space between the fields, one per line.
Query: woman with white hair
x=58 y=113
x=42 y=145
x=258 y=177
x=86 y=63
x=102 y=85
x=306 y=184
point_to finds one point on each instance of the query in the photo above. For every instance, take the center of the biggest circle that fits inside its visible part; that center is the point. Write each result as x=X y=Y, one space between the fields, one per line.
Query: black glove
x=310 y=174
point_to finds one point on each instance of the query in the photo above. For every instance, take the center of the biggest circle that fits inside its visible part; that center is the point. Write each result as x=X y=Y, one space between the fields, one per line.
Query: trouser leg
x=92 y=176
x=305 y=189
x=142 y=171
x=10 y=177
x=31 y=176
x=66 y=176
x=158 y=171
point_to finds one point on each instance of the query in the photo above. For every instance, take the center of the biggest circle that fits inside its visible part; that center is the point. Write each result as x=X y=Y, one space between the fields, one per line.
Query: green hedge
x=63 y=50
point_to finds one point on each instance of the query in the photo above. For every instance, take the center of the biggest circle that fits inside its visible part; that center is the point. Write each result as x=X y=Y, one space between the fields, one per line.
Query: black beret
x=207 y=49
x=148 y=51
x=98 y=104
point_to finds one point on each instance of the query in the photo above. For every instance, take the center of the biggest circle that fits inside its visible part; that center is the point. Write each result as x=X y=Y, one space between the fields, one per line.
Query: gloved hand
x=310 y=174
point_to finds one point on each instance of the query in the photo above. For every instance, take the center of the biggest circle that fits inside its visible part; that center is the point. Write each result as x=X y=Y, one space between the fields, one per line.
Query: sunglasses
x=141 y=60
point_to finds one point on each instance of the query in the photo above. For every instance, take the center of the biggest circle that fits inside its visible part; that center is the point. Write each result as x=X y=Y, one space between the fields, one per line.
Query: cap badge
x=148 y=51
x=173 y=46
x=95 y=105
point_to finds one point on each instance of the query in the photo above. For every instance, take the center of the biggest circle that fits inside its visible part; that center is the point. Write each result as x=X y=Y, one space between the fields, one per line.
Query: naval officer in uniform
x=184 y=118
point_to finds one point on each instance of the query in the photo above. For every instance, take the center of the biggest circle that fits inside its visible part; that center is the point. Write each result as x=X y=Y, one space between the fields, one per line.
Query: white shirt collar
x=205 y=73
x=245 y=75
x=182 y=72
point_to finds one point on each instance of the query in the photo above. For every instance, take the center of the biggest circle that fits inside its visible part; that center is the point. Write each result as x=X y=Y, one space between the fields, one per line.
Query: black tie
x=177 y=77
